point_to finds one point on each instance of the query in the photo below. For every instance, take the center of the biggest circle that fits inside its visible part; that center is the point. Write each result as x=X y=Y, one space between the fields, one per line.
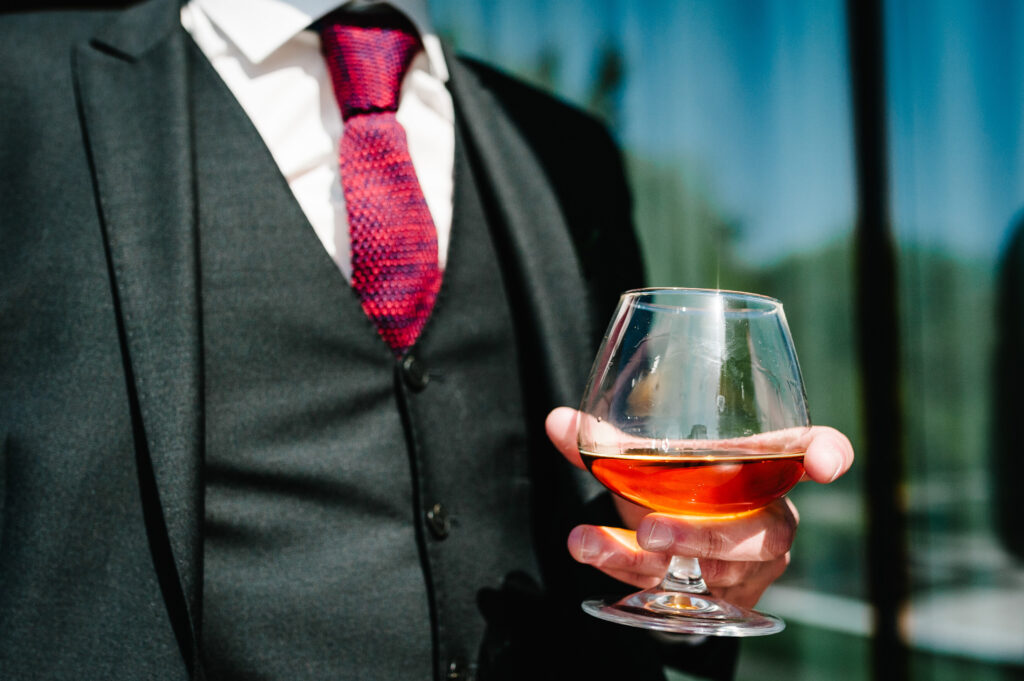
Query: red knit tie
x=394 y=242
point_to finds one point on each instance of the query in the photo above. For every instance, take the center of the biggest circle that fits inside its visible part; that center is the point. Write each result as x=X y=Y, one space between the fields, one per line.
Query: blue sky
x=754 y=96
x=955 y=94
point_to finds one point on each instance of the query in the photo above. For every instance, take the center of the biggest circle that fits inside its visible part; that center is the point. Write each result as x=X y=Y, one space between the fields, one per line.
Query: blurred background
x=862 y=161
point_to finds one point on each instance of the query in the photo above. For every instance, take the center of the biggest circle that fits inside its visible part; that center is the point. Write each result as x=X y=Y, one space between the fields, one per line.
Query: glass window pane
x=955 y=115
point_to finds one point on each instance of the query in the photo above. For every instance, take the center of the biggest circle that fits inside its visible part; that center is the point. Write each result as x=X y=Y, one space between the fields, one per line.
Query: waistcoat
x=357 y=508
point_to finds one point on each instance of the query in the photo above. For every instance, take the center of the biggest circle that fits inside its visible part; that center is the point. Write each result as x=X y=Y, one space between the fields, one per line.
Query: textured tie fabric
x=394 y=243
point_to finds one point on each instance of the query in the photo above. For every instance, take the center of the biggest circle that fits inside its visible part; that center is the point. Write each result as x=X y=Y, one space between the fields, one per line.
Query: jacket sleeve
x=585 y=169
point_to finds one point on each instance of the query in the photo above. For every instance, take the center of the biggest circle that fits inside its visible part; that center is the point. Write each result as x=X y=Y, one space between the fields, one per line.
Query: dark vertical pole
x=878 y=329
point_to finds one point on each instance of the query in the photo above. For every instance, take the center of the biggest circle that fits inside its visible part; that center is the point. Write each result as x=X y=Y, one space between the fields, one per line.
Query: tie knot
x=367 y=55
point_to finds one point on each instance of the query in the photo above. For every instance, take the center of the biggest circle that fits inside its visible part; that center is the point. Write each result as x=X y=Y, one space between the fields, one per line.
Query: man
x=218 y=462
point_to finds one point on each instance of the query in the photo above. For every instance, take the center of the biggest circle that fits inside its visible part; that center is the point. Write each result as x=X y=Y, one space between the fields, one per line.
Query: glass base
x=684 y=613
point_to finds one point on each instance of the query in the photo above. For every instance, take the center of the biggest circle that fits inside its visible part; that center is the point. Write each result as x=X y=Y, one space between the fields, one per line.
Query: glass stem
x=684 y=575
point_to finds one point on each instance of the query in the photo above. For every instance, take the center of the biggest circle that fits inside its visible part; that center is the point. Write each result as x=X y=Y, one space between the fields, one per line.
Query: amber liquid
x=697 y=483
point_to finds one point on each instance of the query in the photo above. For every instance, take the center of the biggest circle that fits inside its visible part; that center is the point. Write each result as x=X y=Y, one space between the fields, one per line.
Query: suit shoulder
x=584 y=168
x=40 y=42
x=48 y=28
x=534 y=108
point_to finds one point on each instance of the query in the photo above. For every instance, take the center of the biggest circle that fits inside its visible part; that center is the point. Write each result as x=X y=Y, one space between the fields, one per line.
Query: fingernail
x=835 y=473
x=587 y=544
x=659 y=537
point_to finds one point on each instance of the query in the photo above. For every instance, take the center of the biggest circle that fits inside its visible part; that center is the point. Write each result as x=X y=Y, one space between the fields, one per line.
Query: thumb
x=561 y=428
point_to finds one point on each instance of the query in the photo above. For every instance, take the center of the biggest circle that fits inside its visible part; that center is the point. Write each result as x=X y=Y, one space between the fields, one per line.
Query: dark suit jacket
x=101 y=414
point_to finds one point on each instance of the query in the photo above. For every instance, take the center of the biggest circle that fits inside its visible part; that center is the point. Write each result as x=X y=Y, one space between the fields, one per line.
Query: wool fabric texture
x=395 y=268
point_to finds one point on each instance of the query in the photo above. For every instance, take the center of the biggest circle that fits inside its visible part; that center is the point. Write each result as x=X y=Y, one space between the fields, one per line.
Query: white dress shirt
x=274 y=68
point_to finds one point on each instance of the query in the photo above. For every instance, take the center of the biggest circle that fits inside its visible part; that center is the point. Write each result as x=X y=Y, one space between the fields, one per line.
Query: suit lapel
x=533 y=234
x=133 y=98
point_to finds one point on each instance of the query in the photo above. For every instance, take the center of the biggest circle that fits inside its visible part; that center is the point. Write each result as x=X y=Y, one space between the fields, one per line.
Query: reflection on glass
x=695 y=406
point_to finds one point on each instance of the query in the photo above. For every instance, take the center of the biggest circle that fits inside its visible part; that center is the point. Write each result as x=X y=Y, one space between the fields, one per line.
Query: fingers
x=739 y=555
x=630 y=513
x=615 y=552
x=764 y=535
x=727 y=574
x=561 y=428
x=742 y=583
x=829 y=454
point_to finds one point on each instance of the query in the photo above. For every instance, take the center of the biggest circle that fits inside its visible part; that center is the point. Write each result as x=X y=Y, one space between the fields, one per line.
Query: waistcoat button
x=438 y=522
x=414 y=373
x=458 y=670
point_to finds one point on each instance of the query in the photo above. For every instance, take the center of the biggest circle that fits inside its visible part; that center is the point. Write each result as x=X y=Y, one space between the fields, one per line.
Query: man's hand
x=740 y=557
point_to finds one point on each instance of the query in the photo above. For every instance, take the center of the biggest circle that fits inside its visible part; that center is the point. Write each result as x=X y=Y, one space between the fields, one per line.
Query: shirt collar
x=260 y=27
